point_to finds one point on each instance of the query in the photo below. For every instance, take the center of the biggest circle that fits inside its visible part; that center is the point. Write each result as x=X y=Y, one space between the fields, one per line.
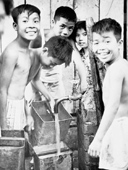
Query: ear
x=53 y=22
x=45 y=49
x=15 y=26
x=120 y=42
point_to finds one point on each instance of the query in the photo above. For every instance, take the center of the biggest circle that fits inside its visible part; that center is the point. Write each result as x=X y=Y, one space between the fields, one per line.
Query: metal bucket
x=44 y=124
x=12 y=153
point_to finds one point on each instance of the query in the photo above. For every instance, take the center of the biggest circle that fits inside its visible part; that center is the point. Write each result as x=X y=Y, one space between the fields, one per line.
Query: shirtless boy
x=110 y=143
x=21 y=64
x=63 y=25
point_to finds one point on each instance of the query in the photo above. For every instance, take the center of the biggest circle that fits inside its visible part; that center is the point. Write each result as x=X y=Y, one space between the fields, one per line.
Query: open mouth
x=104 y=53
x=31 y=31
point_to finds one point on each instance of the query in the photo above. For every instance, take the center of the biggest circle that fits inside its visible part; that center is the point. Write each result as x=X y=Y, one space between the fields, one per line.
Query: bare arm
x=111 y=108
x=81 y=69
x=40 y=86
x=7 y=68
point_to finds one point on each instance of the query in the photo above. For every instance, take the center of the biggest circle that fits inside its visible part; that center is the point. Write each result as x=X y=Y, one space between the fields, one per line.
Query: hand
x=83 y=86
x=30 y=124
x=94 y=148
x=36 y=97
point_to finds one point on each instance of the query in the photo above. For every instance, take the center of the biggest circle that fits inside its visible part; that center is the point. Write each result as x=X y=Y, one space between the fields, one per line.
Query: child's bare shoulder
x=121 y=63
x=119 y=67
x=11 y=50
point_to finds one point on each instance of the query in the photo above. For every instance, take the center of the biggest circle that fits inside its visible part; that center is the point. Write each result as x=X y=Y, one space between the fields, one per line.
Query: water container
x=12 y=153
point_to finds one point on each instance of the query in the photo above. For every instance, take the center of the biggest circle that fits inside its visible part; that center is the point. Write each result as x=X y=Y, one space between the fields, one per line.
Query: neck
x=85 y=50
x=23 y=43
x=113 y=61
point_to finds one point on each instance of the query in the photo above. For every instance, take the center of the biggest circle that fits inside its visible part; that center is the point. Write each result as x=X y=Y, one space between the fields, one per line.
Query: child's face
x=105 y=46
x=81 y=38
x=28 y=26
x=63 y=27
x=49 y=61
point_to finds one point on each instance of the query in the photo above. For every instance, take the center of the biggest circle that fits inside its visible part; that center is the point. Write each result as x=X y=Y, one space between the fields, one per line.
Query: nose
x=102 y=46
x=31 y=24
x=80 y=38
x=65 y=32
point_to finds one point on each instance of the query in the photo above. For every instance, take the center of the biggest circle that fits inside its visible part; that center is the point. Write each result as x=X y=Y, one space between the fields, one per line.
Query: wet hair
x=78 y=25
x=65 y=12
x=8 y=4
x=107 y=25
x=60 y=47
x=22 y=8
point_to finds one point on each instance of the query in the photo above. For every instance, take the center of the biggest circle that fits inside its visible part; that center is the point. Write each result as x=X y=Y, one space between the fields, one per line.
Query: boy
x=63 y=25
x=21 y=64
x=111 y=140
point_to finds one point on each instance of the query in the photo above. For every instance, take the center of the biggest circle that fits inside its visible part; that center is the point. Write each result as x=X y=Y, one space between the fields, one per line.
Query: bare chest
x=105 y=89
x=23 y=63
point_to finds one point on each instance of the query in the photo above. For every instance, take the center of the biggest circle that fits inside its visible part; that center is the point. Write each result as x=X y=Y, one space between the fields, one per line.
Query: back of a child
x=64 y=22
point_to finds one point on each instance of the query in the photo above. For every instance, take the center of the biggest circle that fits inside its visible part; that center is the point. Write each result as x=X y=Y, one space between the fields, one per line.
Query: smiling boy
x=20 y=65
x=110 y=143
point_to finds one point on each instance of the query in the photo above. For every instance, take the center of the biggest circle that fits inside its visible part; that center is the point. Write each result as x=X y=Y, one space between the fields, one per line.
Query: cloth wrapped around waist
x=114 y=150
x=16 y=119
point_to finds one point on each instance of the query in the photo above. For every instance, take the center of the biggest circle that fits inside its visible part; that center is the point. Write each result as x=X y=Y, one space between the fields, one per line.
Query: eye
x=25 y=21
x=84 y=34
x=62 y=26
x=95 y=43
x=71 y=29
x=36 y=21
x=107 y=41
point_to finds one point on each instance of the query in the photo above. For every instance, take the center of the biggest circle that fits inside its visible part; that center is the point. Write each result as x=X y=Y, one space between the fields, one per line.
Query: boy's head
x=80 y=34
x=108 y=25
x=26 y=21
x=30 y=9
x=57 y=50
x=64 y=21
x=106 y=39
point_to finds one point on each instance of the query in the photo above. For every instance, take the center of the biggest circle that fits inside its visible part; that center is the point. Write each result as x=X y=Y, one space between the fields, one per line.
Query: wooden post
x=88 y=119
x=98 y=72
x=125 y=30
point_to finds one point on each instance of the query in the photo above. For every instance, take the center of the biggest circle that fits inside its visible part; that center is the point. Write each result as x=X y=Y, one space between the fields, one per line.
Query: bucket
x=44 y=124
x=46 y=158
x=12 y=153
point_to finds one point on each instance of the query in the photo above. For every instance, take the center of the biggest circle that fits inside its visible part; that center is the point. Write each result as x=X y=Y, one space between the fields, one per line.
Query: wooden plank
x=96 y=75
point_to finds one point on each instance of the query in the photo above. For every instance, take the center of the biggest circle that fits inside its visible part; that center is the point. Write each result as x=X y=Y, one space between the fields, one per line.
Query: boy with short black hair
x=110 y=143
x=20 y=64
x=63 y=25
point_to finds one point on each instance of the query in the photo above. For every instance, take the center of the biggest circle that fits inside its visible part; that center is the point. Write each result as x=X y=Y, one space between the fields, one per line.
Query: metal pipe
x=74 y=98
